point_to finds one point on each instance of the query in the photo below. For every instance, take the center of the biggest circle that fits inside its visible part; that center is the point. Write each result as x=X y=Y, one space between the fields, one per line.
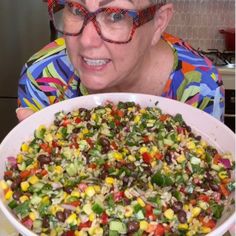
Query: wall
x=199 y=21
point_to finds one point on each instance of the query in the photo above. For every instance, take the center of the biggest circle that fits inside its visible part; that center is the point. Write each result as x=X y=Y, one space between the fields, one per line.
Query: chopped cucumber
x=118 y=226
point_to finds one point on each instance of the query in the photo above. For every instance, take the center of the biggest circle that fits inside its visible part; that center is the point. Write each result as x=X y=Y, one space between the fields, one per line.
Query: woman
x=117 y=46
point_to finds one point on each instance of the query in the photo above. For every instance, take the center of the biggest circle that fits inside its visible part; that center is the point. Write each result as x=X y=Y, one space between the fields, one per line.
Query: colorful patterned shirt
x=49 y=77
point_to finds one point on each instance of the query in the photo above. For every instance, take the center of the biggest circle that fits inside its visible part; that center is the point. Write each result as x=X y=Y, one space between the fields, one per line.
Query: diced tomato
x=163 y=117
x=117 y=122
x=66 y=122
x=92 y=165
x=149 y=213
x=75 y=203
x=86 y=224
x=104 y=218
x=146 y=157
x=78 y=120
x=193 y=202
x=89 y=141
x=217 y=158
x=43 y=172
x=114 y=145
x=8 y=173
x=46 y=148
x=210 y=223
x=159 y=156
x=70 y=233
x=25 y=174
x=224 y=190
x=204 y=198
x=160 y=230
x=120 y=113
x=146 y=139
x=54 y=144
x=118 y=196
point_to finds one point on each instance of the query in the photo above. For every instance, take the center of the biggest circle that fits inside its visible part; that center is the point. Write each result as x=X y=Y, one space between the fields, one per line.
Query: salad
x=118 y=169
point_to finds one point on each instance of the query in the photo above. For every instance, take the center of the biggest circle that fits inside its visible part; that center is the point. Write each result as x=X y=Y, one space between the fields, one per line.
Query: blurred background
x=24 y=29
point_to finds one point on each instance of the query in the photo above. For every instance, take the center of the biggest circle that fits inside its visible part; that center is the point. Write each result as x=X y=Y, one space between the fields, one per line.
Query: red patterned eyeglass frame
x=139 y=17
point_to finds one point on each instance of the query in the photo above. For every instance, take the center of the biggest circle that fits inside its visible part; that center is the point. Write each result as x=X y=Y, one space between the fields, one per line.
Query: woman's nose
x=90 y=37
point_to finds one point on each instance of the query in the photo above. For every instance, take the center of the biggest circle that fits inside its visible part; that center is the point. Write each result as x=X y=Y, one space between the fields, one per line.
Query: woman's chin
x=95 y=84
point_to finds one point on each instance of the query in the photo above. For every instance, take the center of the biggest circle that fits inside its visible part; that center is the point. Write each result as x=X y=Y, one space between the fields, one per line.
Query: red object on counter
x=229 y=35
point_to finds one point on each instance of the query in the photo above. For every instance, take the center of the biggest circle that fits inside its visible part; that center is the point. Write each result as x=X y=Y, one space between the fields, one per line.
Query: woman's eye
x=117 y=16
x=77 y=12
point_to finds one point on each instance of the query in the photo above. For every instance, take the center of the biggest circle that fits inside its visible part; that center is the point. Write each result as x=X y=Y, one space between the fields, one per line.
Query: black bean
x=89 y=126
x=125 y=181
x=168 y=158
x=67 y=213
x=17 y=195
x=104 y=141
x=131 y=166
x=45 y=222
x=133 y=226
x=182 y=216
x=57 y=122
x=81 y=110
x=60 y=215
x=177 y=206
x=76 y=130
x=44 y=160
x=16 y=183
x=214 y=187
x=87 y=116
x=209 y=176
x=198 y=138
x=68 y=189
x=105 y=149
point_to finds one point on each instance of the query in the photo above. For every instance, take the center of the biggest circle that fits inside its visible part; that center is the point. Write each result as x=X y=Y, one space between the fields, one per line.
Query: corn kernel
x=205 y=230
x=223 y=175
x=118 y=156
x=128 y=211
x=128 y=194
x=154 y=163
x=58 y=169
x=24 y=198
x=45 y=199
x=143 y=150
x=203 y=143
x=24 y=147
x=200 y=151
x=94 y=117
x=87 y=209
x=137 y=119
x=97 y=188
x=33 y=179
x=53 y=232
x=143 y=225
x=72 y=219
x=24 y=186
x=150 y=186
x=142 y=111
x=183 y=226
x=141 y=202
x=181 y=158
x=186 y=207
x=85 y=131
x=59 y=136
x=81 y=233
x=166 y=168
x=92 y=216
x=169 y=214
x=98 y=231
x=196 y=211
x=131 y=158
x=8 y=194
x=19 y=158
x=3 y=185
x=75 y=193
x=32 y=216
x=191 y=145
x=109 y=180
x=90 y=191
x=81 y=136
x=48 y=138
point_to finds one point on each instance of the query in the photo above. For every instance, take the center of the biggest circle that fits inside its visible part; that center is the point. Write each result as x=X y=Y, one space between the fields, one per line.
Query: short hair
x=160 y=2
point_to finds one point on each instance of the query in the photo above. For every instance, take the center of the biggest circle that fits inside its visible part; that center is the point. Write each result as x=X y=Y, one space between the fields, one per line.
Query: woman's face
x=103 y=65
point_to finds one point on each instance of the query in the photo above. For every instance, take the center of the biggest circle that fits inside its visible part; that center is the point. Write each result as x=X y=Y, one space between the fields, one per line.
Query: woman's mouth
x=95 y=64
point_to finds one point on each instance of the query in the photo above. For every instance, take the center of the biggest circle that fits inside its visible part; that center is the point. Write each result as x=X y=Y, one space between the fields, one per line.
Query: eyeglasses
x=114 y=25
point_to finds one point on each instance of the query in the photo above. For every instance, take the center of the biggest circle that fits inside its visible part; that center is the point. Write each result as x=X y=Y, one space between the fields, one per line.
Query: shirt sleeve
x=48 y=77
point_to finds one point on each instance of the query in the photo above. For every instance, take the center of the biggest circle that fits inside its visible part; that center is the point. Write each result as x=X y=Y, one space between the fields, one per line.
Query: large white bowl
x=216 y=133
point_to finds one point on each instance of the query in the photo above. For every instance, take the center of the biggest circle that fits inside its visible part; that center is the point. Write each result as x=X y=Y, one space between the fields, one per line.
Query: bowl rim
x=24 y=230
